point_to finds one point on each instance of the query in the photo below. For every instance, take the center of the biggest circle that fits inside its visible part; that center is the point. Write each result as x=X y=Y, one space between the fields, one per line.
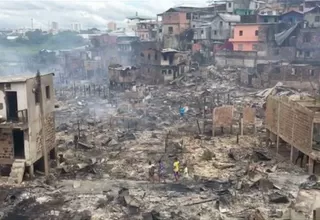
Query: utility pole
x=44 y=147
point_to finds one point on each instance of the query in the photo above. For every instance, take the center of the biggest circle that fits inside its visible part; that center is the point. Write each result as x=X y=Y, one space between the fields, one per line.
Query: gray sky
x=89 y=13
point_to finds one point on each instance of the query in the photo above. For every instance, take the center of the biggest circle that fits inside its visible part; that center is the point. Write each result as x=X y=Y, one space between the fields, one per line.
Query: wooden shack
x=296 y=123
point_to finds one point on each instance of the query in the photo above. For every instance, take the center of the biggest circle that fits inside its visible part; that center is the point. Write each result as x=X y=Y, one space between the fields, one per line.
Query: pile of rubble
x=104 y=174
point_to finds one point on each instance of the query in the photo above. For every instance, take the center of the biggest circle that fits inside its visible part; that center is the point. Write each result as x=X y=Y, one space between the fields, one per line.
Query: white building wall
x=20 y=88
x=34 y=115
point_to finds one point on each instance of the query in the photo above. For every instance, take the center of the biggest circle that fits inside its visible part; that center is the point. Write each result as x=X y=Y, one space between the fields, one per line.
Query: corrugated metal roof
x=229 y=18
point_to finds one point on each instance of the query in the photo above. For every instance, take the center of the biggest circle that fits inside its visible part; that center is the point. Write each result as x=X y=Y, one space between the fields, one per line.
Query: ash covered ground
x=106 y=176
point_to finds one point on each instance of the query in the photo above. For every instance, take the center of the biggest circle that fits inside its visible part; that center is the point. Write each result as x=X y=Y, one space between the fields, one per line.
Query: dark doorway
x=12 y=106
x=18 y=143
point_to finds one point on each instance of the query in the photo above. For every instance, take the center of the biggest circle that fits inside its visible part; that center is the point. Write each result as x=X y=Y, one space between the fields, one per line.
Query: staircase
x=17 y=171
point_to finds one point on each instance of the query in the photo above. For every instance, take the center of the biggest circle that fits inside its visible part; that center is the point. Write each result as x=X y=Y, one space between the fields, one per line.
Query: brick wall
x=49 y=127
x=295 y=73
x=6 y=145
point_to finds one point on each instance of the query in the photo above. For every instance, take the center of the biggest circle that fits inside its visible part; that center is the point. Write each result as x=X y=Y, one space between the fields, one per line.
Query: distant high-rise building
x=54 y=25
x=76 y=27
x=112 y=26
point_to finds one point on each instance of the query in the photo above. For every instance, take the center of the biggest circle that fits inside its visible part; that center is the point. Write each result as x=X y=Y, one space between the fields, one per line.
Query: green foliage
x=33 y=41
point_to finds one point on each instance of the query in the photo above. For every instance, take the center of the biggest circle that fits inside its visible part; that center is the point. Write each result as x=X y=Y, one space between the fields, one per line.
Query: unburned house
x=245 y=37
x=312 y=17
x=268 y=15
x=147 y=30
x=222 y=26
x=158 y=66
x=23 y=133
x=291 y=17
x=308 y=48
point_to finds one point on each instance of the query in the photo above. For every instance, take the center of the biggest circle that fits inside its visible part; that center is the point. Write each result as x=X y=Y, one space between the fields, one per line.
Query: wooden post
x=44 y=147
x=278 y=126
x=310 y=166
x=241 y=124
x=213 y=125
x=204 y=114
x=291 y=153
x=199 y=126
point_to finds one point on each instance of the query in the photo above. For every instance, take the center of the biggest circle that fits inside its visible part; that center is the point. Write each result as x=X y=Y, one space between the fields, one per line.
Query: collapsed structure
x=22 y=132
x=123 y=76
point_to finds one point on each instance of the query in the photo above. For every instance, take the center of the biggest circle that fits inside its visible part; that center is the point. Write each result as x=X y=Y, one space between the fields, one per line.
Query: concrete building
x=268 y=15
x=122 y=76
x=176 y=22
x=308 y=4
x=312 y=17
x=21 y=130
x=160 y=66
x=54 y=26
x=245 y=37
x=112 y=26
x=231 y=5
x=127 y=47
x=308 y=48
x=147 y=30
x=133 y=21
x=222 y=26
x=76 y=27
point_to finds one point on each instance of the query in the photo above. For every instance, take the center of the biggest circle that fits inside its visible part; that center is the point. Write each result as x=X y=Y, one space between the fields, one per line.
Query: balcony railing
x=18 y=121
x=23 y=116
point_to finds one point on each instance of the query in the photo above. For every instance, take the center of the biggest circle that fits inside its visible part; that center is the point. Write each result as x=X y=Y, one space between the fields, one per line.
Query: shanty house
x=291 y=17
x=222 y=26
x=21 y=128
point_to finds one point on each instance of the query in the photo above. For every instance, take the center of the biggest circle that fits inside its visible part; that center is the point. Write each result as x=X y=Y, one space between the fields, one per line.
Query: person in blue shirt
x=181 y=111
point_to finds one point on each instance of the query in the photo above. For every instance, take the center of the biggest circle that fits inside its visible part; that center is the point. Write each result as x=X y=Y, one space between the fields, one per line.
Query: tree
x=37 y=37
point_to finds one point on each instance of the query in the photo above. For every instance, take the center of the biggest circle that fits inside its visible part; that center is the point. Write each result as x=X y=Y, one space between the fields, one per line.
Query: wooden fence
x=83 y=90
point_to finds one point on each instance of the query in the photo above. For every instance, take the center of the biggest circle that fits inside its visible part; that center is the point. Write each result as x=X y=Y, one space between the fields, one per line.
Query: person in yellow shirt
x=176 y=168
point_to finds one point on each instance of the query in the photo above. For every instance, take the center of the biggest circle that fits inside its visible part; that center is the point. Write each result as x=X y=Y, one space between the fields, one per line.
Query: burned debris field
x=103 y=172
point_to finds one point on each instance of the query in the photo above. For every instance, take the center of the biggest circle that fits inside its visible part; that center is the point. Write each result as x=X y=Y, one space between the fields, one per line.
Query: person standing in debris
x=176 y=168
x=161 y=172
x=151 y=170
x=75 y=141
x=181 y=110
x=185 y=170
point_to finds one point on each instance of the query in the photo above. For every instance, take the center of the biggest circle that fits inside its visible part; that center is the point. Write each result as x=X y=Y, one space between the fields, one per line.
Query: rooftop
x=138 y=18
x=188 y=9
x=17 y=79
x=169 y=50
x=248 y=24
x=229 y=18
